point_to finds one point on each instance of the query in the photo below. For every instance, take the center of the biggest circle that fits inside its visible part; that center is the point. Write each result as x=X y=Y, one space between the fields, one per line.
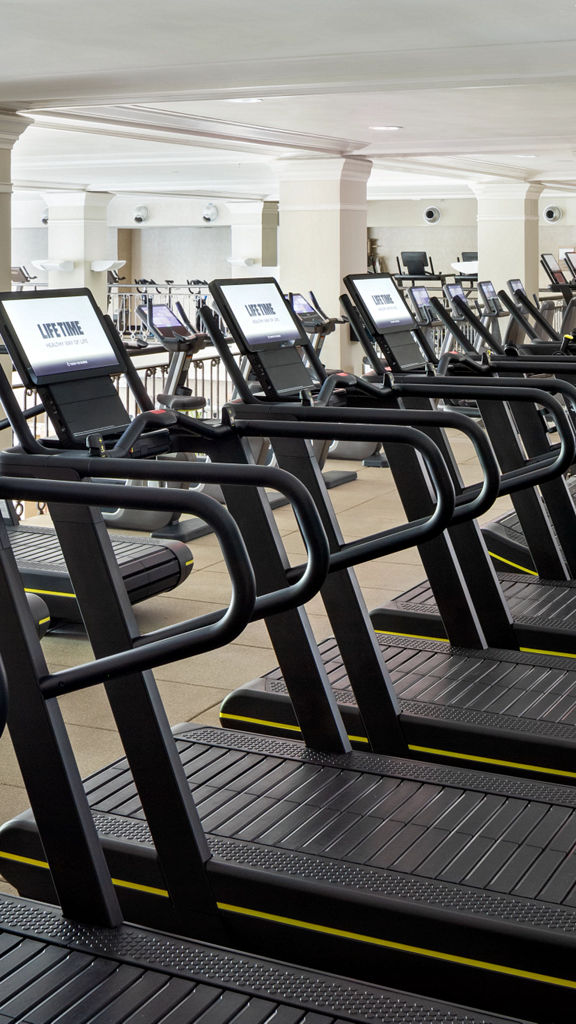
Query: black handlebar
x=520 y=390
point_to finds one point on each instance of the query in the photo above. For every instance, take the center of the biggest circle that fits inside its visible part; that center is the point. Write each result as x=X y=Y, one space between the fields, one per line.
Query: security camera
x=552 y=213
x=431 y=214
x=45 y=216
x=140 y=214
x=209 y=213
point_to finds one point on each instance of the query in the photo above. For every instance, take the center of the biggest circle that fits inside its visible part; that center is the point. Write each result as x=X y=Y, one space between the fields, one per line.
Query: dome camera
x=209 y=213
x=140 y=214
x=431 y=214
x=552 y=213
x=45 y=216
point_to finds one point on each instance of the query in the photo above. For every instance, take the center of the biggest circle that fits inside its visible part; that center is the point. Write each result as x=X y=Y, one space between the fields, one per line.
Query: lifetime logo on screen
x=62 y=329
x=383 y=300
x=260 y=309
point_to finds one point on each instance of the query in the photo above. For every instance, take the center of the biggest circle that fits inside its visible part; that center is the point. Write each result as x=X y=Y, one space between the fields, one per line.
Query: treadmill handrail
x=383 y=542
x=204 y=632
x=529 y=307
x=476 y=322
x=305 y=511
x=480 y=499
x=520 y=390
x=517 y=315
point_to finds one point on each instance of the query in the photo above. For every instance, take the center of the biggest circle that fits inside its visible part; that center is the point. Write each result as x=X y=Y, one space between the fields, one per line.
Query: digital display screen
x=382 y=302
x=552 y=265
x=516 y=285
x=59 y=334
x=453 y=290
x=261 y=313
x=299 y=304
x=421 y=296
x=488 y=289
x=164 y=317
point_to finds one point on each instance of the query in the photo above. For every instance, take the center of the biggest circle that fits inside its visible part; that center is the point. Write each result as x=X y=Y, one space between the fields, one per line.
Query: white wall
x=399 y=226
x=180 y=254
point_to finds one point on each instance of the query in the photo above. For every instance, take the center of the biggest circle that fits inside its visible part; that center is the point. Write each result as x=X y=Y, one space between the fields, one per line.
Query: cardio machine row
x=256 y=873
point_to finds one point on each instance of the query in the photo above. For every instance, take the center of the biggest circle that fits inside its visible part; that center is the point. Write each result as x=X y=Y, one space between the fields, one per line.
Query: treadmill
x=511 y=709
x=62 y=346
x=550 y=550
x=377 y=865
x=90 y=967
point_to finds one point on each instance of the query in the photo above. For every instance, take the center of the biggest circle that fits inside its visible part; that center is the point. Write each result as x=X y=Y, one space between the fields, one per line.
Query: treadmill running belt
x=52 y=970
x=148 y=567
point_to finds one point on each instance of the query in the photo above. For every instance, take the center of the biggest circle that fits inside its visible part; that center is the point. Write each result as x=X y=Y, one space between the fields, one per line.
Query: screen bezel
x=19 y=356
x=420 y=288
x=553 y=270
x=486 y=299
x=216 y=290
x=409 y=325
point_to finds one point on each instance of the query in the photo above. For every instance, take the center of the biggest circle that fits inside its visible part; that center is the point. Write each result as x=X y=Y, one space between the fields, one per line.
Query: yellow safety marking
x=278 y=725
x=140 y=888
x=522 y=568
x=24 y=860
x=51 y=593
x=412 y=636
x=553 y=654
x=189 y=562
x=492 y=760
x=373 y=940
x=116 y=881
x=42 y=621
x=435 y=954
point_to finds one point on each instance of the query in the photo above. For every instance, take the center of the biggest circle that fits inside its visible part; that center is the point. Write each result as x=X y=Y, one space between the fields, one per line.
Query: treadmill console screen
x=381 y=301
x=487 y=289
x=300 y=304
x=515 y=285
x=165 y=321
x=550 y=263
x=420 y=297
x=54 y=336
x=261 y=313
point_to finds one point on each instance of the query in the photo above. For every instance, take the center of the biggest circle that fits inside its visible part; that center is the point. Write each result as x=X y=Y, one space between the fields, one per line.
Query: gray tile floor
x=192 y=689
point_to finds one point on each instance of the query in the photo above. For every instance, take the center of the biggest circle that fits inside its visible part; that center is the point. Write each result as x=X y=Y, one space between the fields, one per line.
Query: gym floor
x=193 y=689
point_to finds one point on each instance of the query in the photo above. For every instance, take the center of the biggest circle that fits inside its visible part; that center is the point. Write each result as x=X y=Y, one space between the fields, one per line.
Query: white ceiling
x=136 y=96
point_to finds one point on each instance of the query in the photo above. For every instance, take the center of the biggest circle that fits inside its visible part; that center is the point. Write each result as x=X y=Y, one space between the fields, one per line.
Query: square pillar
x=508 y=232
x=78 y=234
x=323 y=236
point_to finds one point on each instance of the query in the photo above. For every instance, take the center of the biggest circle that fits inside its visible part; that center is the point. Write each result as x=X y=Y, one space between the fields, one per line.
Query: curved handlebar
x=385 y=541
x=480 y=501
x=520 y=390
x=305 y=510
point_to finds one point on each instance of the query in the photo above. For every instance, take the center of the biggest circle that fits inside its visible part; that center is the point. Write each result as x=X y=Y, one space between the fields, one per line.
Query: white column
x=508 y=232
x=11 y=127
x=323 y=236
x=245 y=239
x=78 y=234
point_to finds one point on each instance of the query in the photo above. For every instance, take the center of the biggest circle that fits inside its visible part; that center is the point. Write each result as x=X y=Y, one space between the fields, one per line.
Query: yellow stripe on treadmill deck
x=278 y=725
x=529 y=572
x=485 y=965
x=50 y=593
x=311 y=926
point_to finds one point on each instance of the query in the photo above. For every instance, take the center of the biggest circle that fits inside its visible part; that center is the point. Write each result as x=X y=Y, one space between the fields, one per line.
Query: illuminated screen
x=383 y=302
x=261 y=313
x=59 y=334
x=421 y=297
x=488 y=289
x=300 y=305
x=454 y=290
x=164 y=317
x=516 y=285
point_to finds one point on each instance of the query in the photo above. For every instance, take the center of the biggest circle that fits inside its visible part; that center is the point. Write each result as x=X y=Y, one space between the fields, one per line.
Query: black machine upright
x=340 y=857
x=63 y=348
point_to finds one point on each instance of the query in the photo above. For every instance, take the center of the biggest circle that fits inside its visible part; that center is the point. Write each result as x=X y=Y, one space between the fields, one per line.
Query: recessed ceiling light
x=525 y=156
x=246 y=99
x=385 y=127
